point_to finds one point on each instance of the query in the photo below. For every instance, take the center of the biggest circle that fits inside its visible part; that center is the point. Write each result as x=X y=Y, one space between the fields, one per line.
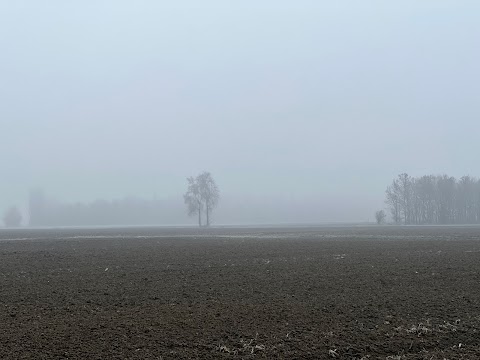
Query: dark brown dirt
x=305 y=293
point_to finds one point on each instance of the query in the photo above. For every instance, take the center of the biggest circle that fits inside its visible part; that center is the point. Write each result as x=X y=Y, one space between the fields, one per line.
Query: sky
x=312 y=105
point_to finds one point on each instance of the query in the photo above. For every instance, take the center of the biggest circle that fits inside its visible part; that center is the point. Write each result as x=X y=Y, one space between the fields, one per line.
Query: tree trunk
x=199 y=215
x=208 y=217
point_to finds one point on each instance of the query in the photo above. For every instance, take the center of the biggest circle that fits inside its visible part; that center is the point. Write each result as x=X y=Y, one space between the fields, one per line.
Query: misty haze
x=271 y=179
x=302 y=112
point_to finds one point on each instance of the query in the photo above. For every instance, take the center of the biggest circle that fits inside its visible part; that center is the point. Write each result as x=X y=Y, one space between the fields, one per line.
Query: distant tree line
x=434 y=199
x=127 y=211
x=201 y=198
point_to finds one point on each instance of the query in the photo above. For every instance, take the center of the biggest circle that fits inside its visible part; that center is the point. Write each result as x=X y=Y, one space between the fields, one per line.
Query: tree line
x=433 y=199
x=123 y=211
x=201 y=198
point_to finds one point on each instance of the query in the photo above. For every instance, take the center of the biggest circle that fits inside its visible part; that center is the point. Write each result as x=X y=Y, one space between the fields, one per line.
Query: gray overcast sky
x=295 y=100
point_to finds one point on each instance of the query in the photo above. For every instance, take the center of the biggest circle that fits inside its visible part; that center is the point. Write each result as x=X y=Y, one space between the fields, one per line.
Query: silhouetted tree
x=465 y=200
x=405 y=191
x=202 y=195
x=193 y=199
x=380 y=216
x=446 y=199
x=393 y=201
x=425 y=189
x=209 y=193
x=12 y=217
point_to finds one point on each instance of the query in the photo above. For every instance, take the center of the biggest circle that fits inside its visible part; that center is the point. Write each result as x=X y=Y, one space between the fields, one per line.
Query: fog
x=302 y=111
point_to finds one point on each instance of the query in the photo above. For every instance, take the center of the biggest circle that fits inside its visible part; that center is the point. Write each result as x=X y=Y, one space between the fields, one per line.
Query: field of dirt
x=268 y=293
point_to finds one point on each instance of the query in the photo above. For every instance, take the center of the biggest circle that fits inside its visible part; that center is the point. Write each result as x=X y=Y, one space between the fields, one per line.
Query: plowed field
x=284 y=293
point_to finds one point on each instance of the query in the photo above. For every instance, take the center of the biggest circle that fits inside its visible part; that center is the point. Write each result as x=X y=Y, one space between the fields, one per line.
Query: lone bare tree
x=193 y=199
x=202 y=195
x=209 y=193
x=380 y=216
x=12 y=217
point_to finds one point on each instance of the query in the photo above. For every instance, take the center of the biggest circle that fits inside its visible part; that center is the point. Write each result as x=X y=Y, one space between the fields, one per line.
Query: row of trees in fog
x=201 y=198
x=434 y=199
x=44 y=211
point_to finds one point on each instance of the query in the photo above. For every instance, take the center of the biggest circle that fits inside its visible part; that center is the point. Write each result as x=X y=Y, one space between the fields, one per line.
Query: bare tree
x=209 y=193
x=193 y=199
x=405 y=183
x=465 y=200
x=446 y=199
x=426 y=195
x=431 y=199
x=393 y=201
x=12 y=217
x=380 y=216
x=202 y=195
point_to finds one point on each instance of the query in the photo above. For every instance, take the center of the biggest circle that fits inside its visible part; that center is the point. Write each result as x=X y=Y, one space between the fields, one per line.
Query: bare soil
x=284 y=293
